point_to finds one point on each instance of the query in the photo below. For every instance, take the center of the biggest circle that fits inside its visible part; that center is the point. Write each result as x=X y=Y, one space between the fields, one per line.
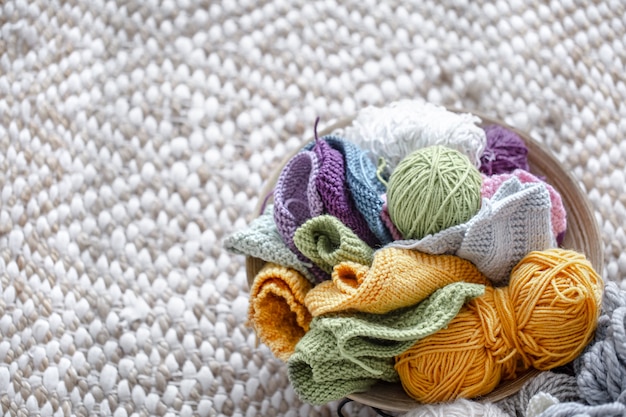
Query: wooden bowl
x=582 y=235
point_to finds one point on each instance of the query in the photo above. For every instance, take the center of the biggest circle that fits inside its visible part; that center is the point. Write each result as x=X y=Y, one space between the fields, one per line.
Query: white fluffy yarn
x=458 y=408
x=396 y=130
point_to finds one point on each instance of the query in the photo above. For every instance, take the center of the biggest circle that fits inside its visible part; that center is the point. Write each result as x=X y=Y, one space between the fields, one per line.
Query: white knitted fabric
x=135 y=135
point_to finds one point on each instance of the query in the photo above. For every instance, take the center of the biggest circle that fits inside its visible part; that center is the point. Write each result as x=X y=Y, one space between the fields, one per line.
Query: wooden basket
x=582 y=235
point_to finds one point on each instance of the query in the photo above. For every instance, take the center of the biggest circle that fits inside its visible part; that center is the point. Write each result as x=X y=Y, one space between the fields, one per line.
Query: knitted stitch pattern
x=514 y=222
x=342 y=354
x=326 y=241
x=332 y=187
x=558 y=216
x=277 y=310
x=397 y=278
x=296 y=200
x=262 y=240
x=364 y=185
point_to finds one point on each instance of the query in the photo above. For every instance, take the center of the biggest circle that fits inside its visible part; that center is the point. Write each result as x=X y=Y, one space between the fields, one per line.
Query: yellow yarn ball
x=543 y=319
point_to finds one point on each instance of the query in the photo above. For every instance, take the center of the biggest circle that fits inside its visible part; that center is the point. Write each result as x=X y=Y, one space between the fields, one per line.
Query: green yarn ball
x=432 y=189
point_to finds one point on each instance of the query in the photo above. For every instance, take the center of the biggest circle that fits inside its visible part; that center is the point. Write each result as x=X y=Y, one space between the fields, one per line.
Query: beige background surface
x=135 y=135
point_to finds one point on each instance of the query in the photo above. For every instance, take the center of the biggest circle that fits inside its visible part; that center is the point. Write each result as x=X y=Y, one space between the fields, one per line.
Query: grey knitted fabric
x=261 y=239
x=514 y=222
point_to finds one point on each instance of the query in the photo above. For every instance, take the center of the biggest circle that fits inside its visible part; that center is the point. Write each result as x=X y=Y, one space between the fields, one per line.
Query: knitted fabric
x=262 y=240
x=296 y=200
x=342 y=354
x=558 y=216
x=561 y=386
x=514 y=222
x=332 y=187
x=277 y=310
x=364 y=185
x=326 y=241
x=397 y=278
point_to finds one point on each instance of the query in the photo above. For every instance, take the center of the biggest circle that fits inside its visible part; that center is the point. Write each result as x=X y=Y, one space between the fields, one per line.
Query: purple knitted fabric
x=296 y=200
x=334 y=193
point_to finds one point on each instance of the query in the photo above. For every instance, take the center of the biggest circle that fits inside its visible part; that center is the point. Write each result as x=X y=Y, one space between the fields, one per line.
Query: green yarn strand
x=432 y=189
x=326 y=241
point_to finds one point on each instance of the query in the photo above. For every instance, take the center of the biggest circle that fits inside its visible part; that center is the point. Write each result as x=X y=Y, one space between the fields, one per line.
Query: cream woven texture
x=134 y=135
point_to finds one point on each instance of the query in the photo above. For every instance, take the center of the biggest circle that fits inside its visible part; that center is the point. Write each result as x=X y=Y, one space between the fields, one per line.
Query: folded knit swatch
x=365 y=187
x=296 y=200
x=514 y=222
x=262 y=240
x=558 y=216
x=277 y=310
x=342 y=354
x=326 y=241
x=397 y=278
x=333 y=189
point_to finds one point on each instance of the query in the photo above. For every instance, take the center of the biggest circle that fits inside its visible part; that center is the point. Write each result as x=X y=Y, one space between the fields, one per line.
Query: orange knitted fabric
x=277 y=310
x=397 y=278
x=544 y=319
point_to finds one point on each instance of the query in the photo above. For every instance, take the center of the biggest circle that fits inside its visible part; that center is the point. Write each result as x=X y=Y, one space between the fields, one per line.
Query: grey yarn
x=601 y=369
x=580 y=410
x=561 y=386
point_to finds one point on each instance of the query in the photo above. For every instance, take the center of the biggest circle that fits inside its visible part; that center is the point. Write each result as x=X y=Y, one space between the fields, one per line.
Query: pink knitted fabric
x=558 y=217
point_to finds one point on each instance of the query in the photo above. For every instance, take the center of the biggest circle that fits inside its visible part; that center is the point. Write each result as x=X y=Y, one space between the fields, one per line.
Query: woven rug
x=135 y=135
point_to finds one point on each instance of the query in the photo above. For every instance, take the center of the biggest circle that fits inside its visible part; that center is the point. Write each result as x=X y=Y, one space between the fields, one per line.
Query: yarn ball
x=504 y=152
x=432 y=189
x=544 y=319
x=396 y=130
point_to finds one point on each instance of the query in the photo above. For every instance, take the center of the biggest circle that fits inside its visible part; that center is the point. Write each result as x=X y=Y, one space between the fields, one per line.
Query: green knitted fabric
x=342 y=354
x=326 y=241
x=262 y=240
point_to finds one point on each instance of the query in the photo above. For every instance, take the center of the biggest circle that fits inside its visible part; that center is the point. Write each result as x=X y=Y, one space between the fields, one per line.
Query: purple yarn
x=504 y=152
x=334 y=193
x=296 y=200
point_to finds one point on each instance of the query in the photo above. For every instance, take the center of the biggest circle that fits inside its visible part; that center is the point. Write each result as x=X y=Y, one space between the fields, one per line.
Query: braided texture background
x=134 y=135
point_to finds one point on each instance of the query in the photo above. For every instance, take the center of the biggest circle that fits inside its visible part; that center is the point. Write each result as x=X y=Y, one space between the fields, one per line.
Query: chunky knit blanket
x=135 y=135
